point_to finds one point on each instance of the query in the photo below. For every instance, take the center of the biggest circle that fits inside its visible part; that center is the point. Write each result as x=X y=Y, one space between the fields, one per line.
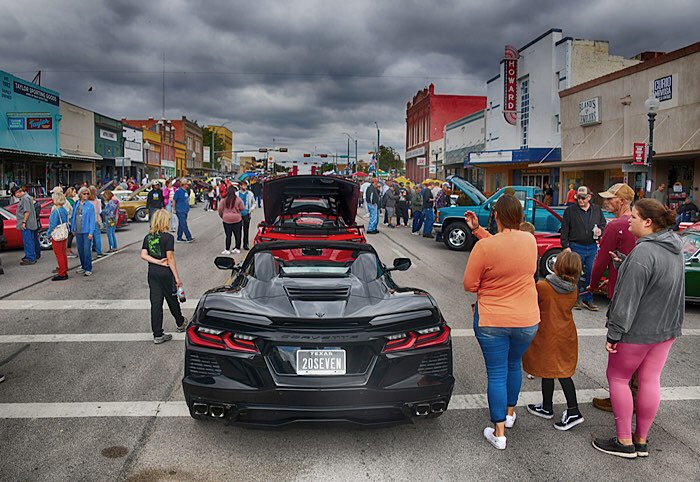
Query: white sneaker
x=510 y=420
x=236 y=251
x=80 y=270
x=226 y=251
x=498 y=442
x=87 y=273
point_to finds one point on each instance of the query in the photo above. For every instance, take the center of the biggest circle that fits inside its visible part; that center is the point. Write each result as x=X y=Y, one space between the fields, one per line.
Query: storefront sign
x=638 y=153
x=15 y=123
x=39 y=123
x=663 y=88
x=122 y=162
x=589 y=112
x=419 y=151
x=35 y=93
x=108 y=135
x=510 y=84
x=420 y=161
x=432 y=169
x=133 y=145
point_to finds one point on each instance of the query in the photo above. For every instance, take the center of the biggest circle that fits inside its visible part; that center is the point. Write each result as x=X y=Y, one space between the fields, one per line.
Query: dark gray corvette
x=316 y=331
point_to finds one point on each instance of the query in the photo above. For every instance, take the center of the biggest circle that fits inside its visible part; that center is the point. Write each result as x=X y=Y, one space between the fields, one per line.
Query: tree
x=219 y=147
x=387 y=159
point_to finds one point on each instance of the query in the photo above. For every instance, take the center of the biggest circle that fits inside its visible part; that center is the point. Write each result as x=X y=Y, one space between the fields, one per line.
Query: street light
x=147 y=147
x=375 y=123
x=397 y=158
x=652 y=105
x=435 y=152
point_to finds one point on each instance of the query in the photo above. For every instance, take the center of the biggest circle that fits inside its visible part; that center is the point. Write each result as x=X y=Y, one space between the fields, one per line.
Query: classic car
x=316 y=331
x=691 y=256
x=14 y=237
x=310 y=207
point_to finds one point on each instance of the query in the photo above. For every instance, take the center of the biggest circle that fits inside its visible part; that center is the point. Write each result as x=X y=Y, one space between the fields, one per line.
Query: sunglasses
x=582 y=197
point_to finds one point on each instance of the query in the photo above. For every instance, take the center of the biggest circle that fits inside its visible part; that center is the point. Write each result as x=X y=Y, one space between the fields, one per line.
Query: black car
x=316 y=331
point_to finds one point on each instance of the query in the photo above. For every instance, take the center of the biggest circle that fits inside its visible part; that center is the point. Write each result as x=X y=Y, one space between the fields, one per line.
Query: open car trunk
x=279 y=196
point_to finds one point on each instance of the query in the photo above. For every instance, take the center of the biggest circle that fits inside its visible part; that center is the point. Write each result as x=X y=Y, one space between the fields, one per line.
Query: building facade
x=227 y=156
x=603 y=119
x=463 y=137
x=426 y=116
x=29 y=131
x=134 y=165
x=109 y=143
x=77 y=140
x=523 y=120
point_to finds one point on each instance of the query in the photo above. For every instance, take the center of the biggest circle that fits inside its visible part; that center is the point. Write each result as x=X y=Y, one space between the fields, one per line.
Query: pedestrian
x=28 y=223
x=571 y=196
x=363 y=192
x=181 y=208
x=581 y=227
x=97 y=234
x=154 y=200
x=372 y=197
x=256 y=188
x=83 y=226
x=158 y=249
x=644 y=319
x=553 y=352
x=402 y=201
x=111 y=216
x=506 y=314
x=385 y=188
x=71 y=198
x=390 y=206
x=58 y=231
x=442 y=199
x=417 y=210
x=428 y=211
x=639 y=194
x=548 y=194
x=660 y=194
x=3 y=242
x=230 y=209
x=685 y=212
x=248 y=206
x=208 y=198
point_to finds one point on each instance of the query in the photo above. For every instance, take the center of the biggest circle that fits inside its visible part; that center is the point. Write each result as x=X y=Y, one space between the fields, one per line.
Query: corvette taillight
x=437 y=335
x=221 y=340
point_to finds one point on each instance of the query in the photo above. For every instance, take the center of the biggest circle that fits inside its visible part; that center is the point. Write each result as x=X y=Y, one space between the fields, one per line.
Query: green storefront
x=109 y=143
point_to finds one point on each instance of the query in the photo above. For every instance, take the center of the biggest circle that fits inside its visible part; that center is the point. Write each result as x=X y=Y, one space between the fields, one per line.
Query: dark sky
x=302 y=72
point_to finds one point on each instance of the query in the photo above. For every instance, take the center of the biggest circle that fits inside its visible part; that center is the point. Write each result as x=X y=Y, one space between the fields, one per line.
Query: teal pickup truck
x=450 y=220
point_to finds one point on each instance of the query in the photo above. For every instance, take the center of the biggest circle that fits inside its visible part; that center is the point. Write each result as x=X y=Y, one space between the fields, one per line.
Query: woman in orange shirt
x=500 y=270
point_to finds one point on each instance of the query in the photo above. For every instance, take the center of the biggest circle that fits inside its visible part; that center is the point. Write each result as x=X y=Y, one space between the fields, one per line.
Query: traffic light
x=323 y=155
x=283 y=149
x=307 y=155
x=262 y=149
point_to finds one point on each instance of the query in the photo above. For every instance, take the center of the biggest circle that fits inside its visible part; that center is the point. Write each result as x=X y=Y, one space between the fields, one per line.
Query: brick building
x=426 y=117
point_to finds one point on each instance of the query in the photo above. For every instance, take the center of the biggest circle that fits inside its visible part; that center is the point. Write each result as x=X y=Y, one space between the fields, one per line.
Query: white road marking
x=179 y=408
x=117 y=337
x=399 y=253
x=58 y=305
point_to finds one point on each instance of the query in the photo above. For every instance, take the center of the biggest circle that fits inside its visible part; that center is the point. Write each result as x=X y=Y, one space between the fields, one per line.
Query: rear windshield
x=310 y=204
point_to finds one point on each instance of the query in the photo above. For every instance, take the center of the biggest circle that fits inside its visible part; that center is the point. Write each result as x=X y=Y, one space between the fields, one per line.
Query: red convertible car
x=310 y=207
x=14 y=236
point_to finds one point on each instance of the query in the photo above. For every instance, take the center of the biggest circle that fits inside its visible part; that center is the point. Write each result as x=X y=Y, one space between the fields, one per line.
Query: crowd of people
x=521 y=323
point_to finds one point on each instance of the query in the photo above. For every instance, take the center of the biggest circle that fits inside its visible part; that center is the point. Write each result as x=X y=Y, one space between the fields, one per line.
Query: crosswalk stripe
x=168 y=409
x=117 y=337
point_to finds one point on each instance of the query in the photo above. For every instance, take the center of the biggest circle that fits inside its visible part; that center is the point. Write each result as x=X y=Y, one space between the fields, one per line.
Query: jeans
x=29 y=247
x=162 y=286
x=429 y=220
x=417 y=221
x=373 y=217
x=182 y=227
x=587 y=253
x=503 y=350
x=112 y=236
x=173 y=219
x=97 y=240
x=84 y=251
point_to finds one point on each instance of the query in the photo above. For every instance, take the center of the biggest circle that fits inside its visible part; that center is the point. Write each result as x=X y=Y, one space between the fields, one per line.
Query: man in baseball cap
x=617 y=239
x=581 y=226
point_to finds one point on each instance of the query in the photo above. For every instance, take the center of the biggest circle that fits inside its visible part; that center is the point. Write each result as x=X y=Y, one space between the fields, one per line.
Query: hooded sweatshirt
x=649 y=299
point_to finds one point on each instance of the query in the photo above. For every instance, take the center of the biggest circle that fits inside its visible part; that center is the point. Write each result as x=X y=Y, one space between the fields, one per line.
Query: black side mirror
x=224 y=262
x=401 y=264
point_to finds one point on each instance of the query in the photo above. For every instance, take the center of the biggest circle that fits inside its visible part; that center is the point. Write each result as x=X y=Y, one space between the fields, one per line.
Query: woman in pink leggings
x=644 y=319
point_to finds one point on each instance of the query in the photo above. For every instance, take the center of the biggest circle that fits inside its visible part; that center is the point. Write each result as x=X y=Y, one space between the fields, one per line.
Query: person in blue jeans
x=28 y=224
x=417 y=210
x=506 y=316
x=83 y=224
x=581 y=227
x=372 y=197
x=181 y=207
x=428 y=212
x=111 y=215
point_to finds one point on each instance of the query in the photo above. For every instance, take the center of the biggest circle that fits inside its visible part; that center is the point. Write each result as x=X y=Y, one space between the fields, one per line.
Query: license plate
x=321 y=362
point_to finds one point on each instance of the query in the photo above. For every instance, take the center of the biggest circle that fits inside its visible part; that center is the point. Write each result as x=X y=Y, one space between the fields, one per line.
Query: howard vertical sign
x=510 y=84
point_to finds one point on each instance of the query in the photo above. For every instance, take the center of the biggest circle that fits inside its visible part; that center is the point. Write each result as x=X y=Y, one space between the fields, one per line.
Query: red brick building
x=426 y=117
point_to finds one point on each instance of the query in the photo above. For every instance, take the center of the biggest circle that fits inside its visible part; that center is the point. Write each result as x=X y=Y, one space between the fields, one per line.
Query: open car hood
x=278 y=193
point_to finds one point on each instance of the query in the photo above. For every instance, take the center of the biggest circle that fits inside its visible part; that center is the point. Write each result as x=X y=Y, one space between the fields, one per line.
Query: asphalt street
x=88 y=396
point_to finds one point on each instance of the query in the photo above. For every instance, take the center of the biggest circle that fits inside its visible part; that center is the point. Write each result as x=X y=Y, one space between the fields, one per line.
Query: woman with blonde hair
x=71 y=198
x=59 y=216
x=158 y=249
x=97 y=233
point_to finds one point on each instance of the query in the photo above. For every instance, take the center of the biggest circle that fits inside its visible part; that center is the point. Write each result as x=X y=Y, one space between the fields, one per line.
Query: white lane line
x=179 y=408
x=581 y=332
x=57 y=305
x=117 y=337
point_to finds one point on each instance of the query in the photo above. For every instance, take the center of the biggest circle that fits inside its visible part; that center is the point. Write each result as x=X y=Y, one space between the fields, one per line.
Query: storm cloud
x=304 y=71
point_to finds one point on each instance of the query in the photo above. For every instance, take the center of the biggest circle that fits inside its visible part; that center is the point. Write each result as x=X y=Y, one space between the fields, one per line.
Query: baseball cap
x=583 y=191
x=620 y=190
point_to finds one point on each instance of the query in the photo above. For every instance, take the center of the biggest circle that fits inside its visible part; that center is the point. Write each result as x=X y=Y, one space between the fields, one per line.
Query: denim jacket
x=88 y=226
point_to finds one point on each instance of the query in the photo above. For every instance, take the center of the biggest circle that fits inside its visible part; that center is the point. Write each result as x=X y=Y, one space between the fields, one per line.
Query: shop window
x=557 y=123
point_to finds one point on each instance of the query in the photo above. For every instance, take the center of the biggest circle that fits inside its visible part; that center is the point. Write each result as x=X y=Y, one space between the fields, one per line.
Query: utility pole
x=355 y=154
x=163 y=114
x=375 y=123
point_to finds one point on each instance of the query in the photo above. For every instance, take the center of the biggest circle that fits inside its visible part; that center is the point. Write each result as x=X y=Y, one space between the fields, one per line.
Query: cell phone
x=618 y=254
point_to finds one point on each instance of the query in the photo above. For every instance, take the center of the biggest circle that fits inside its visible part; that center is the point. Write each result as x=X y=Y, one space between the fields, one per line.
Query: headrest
x=265 y=266
x=365 y=267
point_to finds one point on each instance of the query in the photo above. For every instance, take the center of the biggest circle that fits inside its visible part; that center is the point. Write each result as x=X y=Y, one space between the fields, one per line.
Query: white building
x=133 y=152
x=529 y=132
x=462 y=137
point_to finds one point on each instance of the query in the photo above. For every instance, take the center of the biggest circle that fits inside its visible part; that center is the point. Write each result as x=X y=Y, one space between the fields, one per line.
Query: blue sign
x=15 y=123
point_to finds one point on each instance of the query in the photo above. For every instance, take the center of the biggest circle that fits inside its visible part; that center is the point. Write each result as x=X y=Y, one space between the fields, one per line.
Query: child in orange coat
x=554 y=351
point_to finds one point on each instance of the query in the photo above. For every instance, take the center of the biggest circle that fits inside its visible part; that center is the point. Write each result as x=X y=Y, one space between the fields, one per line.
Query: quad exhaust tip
x=422 y=409
x=217 y=411
x=200 y=408
x=438 y=407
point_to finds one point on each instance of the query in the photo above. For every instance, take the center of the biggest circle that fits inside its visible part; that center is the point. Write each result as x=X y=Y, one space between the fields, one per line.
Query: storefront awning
x=461 y=156
x=615 y=162
x=78 y=154
x=546 y=155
